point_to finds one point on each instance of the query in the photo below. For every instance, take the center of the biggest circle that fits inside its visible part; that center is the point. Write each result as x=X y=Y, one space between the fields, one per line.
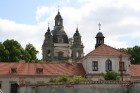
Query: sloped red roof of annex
x=49 y=69
x=105 y=50
x=134 y=70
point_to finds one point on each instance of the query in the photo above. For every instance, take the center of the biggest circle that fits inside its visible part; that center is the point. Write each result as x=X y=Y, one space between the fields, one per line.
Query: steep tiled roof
x=134 y=70
x=105 y=50
x=49 y=69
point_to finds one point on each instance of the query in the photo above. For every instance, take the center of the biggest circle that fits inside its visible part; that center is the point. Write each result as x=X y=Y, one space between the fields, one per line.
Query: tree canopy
x=12 y=51
x=134 y=54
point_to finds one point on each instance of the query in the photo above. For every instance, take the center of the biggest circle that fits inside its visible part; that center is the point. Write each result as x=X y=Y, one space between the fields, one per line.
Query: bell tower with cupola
x=77 y=47
x=48 y=46
x=58 y=20
x=99 y=38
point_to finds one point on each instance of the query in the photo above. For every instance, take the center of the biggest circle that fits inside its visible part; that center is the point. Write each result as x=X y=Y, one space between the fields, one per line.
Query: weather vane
x=99 y=26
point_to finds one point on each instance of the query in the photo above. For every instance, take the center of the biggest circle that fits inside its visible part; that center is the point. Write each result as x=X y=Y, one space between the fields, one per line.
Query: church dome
x=59 y=32
x=99 y=34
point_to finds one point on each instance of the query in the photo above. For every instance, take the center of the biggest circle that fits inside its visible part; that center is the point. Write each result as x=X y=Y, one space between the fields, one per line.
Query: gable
x=105 y=50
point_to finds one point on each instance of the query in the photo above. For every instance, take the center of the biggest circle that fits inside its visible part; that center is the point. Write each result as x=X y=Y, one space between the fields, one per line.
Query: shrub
x=63 y=78
x=52 y=80
x=78 y=79
x=111 y=75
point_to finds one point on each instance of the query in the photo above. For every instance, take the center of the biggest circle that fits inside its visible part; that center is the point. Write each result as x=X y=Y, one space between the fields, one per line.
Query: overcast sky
x=27 y=20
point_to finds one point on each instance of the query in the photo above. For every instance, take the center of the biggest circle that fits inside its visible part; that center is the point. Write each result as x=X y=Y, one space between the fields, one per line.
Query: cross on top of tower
x=99 y=26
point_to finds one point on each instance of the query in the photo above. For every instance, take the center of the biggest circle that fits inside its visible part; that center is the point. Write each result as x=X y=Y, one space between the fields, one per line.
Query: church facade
x=57 y=47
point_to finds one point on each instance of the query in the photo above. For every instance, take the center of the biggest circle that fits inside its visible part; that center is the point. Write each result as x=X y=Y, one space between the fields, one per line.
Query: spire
x=48 y=31
x=58 y=11
x=48 y=28
x=77 y=32
x=77 y=29
x=99 y=37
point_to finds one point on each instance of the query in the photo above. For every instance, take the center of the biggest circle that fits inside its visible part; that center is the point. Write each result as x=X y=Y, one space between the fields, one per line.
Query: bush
x=78 y=79
x=65 y=78
x=111 y=75
x=52 y=80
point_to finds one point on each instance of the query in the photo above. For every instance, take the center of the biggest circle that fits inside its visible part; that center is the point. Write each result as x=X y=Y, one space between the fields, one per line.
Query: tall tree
x=12 y=50
x=134 y=54
x=2 y=52
x=32 y=51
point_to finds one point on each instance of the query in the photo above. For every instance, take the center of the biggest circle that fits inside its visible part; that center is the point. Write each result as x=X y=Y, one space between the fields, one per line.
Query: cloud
x=41 y=11
x=23 y=33
x=119 y=19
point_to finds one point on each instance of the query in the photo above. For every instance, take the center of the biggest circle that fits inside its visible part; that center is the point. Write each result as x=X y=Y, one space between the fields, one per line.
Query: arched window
x=108 y=65
x=78 y=54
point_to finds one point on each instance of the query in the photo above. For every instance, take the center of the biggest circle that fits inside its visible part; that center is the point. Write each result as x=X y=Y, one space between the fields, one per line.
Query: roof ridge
x=117 y=49
x=105 y=45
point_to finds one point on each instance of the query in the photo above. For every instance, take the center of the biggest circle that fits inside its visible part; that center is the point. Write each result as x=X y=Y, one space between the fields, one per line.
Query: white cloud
x=119 y=18
x=41 y=11
x=23 y=33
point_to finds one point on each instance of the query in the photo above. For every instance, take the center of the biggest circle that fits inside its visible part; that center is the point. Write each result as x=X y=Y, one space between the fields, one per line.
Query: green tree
x=111 y=75
x=25 y=55
x=12 y=51
x=32 y=51
x=134 y=54
x=2 y=52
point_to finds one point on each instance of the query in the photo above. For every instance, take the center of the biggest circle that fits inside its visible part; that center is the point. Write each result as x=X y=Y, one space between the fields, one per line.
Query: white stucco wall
x=87 y=64
x=6 y=81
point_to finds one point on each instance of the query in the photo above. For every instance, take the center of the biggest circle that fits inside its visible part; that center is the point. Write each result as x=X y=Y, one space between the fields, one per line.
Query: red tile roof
x=134 y=70
x=49 y=69
x=105 y=50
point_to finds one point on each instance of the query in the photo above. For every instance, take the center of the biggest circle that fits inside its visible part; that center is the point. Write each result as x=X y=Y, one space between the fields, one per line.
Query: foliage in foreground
x=111 y=75
x=65 y=78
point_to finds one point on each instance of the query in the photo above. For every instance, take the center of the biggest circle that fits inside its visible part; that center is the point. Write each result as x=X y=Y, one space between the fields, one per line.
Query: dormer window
x=39 y=70
x=13 y=70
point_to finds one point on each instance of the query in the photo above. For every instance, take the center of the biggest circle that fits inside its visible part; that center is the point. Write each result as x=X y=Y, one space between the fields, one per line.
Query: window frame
x=108 y=64
x=94 y=65
x=122 y=66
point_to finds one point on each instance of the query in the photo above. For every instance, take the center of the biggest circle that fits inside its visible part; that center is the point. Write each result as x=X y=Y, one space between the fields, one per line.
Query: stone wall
x=94 y=87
